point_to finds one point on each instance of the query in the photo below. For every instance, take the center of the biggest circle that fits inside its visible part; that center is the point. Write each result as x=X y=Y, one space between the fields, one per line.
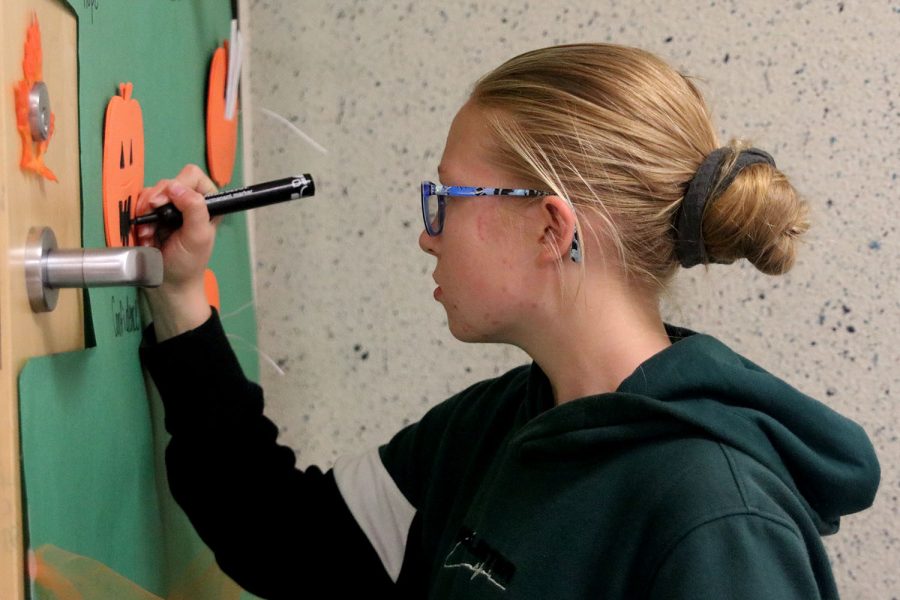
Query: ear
x=557 y=221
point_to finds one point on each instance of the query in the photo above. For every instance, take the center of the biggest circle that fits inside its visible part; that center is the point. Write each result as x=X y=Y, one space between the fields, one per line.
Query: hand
x=180 y=302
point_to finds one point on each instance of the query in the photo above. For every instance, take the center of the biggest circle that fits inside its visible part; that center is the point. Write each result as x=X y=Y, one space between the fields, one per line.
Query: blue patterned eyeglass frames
x=434 y=200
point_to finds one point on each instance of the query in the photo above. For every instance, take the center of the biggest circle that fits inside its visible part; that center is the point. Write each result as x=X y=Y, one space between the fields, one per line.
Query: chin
x=465 y=332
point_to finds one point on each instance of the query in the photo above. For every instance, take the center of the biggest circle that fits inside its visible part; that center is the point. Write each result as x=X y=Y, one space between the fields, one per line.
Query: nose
x=428 y=243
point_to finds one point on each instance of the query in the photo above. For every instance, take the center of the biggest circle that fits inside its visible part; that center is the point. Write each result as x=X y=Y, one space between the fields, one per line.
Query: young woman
x=631 y=459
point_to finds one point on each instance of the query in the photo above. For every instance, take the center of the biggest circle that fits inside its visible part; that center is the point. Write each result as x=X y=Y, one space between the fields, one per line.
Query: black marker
x=253 y=196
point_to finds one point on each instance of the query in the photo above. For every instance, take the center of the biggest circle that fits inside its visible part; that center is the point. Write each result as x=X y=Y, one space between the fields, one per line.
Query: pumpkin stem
x=125 y=90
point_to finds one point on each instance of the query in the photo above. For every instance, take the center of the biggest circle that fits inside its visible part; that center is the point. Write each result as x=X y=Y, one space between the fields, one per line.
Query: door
x=27 y=199
x=84 y=507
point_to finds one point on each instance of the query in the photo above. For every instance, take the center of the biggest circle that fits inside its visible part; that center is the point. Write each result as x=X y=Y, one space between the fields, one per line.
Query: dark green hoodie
x=702 y=476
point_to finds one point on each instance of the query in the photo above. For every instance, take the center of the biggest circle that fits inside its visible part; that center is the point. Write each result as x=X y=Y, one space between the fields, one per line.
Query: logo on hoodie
x=473 y=554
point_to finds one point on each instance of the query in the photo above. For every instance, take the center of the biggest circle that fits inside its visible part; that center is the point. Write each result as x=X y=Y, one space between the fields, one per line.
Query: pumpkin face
x=123 y=165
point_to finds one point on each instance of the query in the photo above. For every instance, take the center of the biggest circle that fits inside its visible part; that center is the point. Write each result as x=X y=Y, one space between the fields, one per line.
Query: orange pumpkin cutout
x=211 y=287
x=123 y=165
x=32 y=68
x=221 y=133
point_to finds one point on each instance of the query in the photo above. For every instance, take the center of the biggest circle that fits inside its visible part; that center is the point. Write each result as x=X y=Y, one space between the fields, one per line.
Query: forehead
x=467 y=152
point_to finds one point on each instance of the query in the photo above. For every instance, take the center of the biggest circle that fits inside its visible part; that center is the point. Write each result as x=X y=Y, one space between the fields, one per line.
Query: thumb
x=196 y=232
x=190 y=202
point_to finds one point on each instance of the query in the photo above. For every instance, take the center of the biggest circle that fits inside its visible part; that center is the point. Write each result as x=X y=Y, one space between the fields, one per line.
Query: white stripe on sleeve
x=379 y=507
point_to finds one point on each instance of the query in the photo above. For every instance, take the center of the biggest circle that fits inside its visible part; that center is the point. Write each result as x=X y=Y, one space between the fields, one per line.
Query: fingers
x=186 y=249
x=194 y=178
x=191 y=177
x=146 y=235
x=186 y=191
x=149 y=199
x=191 y=203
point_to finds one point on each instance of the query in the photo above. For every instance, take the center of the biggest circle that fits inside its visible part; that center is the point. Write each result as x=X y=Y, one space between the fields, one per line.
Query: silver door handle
x=47 y=268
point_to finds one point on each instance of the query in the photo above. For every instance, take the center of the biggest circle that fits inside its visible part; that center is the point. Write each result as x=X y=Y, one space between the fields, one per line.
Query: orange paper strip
x=58 y=574
x=211 y=286
x=221 y=133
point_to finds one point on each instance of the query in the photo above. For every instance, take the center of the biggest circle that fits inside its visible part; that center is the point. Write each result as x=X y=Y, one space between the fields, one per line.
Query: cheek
x=483 y=256
x=484 y=226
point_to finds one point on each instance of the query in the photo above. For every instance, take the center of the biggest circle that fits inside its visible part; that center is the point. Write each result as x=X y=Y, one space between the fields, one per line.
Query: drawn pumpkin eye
x=122 y=156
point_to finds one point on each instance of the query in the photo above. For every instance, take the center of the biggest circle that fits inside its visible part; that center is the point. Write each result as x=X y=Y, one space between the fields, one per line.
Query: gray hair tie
x=689 y=246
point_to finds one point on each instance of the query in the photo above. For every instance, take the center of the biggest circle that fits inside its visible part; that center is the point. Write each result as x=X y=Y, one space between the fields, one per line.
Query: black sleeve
x=272 y=527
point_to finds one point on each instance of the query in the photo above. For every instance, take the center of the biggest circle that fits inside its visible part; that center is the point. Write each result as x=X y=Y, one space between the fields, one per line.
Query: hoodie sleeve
x=741 y=557
x=271 y=526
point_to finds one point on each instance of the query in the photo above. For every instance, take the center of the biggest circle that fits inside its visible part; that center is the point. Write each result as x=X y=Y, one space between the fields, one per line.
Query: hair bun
x=759 y=217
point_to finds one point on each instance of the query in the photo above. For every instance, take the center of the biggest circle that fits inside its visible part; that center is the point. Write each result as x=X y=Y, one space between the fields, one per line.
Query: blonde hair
x=619 y=133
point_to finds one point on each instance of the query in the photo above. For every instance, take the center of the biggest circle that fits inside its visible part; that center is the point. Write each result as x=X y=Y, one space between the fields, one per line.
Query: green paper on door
x=99 y=518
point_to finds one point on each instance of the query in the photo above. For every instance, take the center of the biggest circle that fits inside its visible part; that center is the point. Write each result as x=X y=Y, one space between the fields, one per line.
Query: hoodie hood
x=700 y=387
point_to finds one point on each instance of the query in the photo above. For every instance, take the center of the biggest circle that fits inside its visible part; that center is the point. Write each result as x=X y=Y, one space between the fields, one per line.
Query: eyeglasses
x=434 y=200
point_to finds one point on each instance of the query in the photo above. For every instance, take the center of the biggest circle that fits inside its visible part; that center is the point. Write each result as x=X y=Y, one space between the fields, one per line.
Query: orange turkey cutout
x=123 y=165
x=221 y=133
x=32 y=68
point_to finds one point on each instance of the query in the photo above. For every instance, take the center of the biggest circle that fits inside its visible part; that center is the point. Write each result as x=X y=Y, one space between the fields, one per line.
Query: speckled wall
x=359 y=348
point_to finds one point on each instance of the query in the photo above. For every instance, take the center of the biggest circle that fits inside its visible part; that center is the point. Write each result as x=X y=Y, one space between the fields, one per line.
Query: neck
x=588 y=345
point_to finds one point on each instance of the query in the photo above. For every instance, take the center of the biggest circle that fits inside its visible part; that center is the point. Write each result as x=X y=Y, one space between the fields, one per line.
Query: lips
x=437 y=291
